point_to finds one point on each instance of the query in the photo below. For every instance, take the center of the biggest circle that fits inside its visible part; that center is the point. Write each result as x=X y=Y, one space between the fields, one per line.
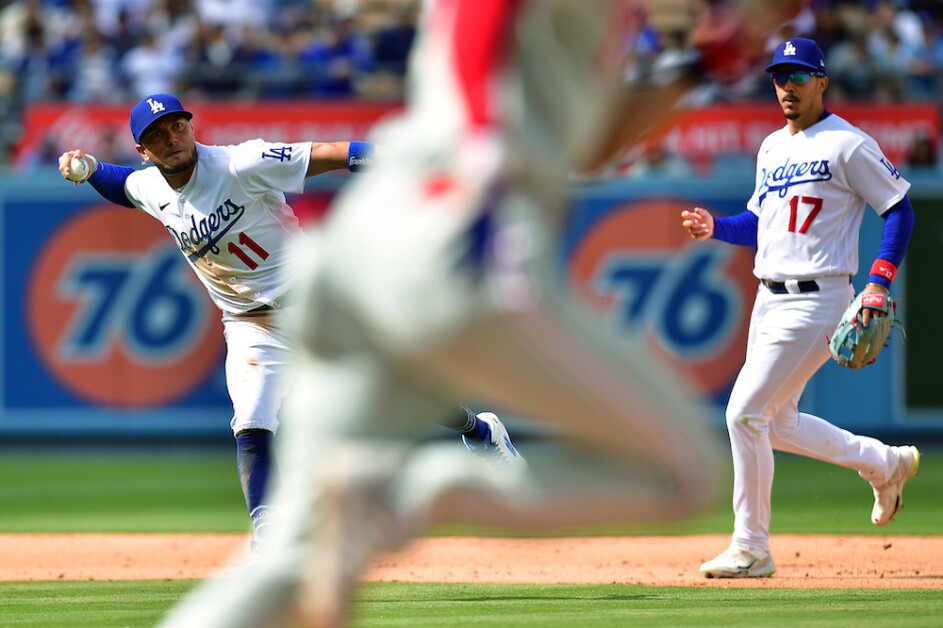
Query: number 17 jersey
x=231 y=220
x=810 y=197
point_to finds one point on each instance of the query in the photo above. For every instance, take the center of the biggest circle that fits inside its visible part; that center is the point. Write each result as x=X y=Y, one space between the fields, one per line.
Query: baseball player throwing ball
x=814 y=178
x=225 y=208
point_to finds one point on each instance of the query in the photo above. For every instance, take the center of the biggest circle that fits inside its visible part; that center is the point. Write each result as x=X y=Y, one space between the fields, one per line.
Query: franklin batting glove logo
x=155 y=105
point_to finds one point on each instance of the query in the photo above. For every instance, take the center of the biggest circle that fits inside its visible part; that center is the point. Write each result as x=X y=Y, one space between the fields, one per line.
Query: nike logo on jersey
x=208 y=231
x=161 y=207
x=785 y=176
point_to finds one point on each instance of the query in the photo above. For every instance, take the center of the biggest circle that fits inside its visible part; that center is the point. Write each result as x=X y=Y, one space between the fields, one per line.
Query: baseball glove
x=854 y=345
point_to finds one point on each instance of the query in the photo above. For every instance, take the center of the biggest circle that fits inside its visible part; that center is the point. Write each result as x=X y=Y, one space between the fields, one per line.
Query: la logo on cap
x=788 y=51
x=155 y=105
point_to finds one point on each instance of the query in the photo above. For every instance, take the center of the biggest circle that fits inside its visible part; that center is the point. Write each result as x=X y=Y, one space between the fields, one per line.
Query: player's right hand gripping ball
x=854 y=345
x=78 y=170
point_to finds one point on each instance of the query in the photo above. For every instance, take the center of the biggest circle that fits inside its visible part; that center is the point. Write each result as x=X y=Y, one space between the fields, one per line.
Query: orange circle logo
x=690 y=300
x=115 y=313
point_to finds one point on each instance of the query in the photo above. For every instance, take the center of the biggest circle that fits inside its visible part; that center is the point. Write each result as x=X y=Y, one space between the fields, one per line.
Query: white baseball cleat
x=739 y=562
x=889 y=497
x=498 y=447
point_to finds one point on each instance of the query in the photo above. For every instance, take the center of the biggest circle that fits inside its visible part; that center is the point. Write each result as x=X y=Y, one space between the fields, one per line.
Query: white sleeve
x=874 y=177
x=263 y=166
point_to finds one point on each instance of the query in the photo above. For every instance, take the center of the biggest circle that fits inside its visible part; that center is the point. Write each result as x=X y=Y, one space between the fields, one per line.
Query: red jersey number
x=794 y=202
x=250 y=244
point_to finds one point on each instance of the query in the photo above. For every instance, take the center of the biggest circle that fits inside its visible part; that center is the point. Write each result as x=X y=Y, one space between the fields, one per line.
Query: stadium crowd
x=122 y=50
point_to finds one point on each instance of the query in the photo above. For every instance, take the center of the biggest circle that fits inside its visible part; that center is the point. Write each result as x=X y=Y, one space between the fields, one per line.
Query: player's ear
x=142 y=152
x=824 y=84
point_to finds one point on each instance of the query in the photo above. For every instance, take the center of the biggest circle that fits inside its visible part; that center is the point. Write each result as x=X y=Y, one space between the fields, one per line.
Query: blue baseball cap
x=798 y=51
x=152 y=109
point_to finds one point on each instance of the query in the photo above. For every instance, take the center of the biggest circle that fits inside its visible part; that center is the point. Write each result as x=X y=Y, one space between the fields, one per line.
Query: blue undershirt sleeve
x=738 y=229
x=898 y=225
x=108 y=180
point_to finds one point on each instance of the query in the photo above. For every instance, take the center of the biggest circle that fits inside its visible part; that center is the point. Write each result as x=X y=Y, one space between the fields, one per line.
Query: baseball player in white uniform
x=448 y=294
x=814 y=178
x=225 y=208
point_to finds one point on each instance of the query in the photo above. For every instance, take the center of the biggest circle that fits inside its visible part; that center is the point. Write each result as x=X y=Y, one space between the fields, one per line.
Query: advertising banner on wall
x=103 y=322
x=106 y=329
x=699 y=135
x=103 y=131
x=627 y=256
x=738 y=129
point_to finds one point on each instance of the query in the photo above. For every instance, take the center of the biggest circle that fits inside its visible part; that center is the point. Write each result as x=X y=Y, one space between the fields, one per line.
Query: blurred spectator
x=855 y=73
x=211 y=68
x=96 y=76
x=925 y=63
x=643 y=43
x=333 y=59
x=10 y=105
x=175 y=21
x=359 y=48
x=151 y=68
x=109 y=50
x=830 y=29
x=394 y=40
x=233 y=15
x=657 y=161
x=923 y=153
x=894 y=17
x=124 y=37
x=116 y=16
x=266 y=66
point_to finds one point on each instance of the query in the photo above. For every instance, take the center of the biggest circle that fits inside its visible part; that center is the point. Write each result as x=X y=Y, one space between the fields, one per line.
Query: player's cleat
x=889 y=497
x=739 y=562
x=497 y=445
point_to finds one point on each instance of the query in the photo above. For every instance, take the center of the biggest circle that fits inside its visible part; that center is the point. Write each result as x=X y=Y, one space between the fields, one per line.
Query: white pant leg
x=814 y=437
x=786 y=347
x=257 y=356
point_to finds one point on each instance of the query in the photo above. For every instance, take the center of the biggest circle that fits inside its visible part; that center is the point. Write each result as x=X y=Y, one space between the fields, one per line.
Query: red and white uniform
x=232 y=224
x=810 y=197
x=431 y=288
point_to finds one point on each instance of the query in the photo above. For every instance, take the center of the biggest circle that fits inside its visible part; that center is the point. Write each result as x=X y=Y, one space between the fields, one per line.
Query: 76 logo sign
x=682 y=299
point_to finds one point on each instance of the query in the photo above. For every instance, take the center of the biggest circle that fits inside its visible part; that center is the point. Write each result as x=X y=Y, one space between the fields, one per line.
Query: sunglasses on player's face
x=798 y=77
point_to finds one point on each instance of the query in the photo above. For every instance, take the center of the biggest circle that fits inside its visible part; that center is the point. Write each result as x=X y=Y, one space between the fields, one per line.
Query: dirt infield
x=802 y=561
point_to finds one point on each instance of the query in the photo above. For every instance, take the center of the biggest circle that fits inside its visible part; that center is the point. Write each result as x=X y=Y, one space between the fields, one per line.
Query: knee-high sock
x=467 y=424
x=254 y=462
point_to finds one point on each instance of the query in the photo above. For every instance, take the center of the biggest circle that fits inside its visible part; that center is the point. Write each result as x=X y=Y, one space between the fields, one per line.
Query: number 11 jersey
x=231 y=220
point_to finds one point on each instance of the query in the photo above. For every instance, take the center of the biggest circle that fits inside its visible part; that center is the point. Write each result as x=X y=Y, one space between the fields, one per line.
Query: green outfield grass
x=147 y=492
x=398 y=604
x=200 y=493
x=121 y=492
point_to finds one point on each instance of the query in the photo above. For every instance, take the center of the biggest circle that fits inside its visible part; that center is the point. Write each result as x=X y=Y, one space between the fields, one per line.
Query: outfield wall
x=107 y=333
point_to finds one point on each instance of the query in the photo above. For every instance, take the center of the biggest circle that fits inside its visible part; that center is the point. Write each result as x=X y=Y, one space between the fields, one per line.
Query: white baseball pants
x=786 y=346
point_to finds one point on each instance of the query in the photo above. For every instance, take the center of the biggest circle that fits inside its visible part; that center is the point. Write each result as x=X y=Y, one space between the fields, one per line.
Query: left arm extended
x=355 y=156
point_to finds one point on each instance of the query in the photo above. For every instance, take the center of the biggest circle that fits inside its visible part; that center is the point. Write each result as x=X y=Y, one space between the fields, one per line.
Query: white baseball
x=78 y=169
